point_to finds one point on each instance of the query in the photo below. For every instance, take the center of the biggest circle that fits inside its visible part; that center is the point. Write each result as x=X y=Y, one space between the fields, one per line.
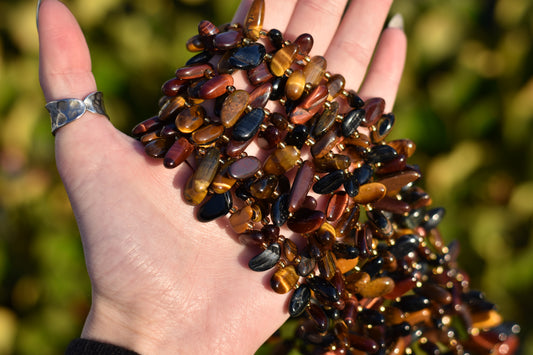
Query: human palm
x=162 y=281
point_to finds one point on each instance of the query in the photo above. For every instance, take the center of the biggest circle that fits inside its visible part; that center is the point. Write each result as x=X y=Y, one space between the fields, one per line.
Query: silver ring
x=64 y=111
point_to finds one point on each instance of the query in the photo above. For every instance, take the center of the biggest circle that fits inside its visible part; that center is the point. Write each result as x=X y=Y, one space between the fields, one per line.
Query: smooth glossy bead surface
x=240 y=221
x=370 y=192
x=282 y=160
x=330 y=182
x=248 y=125
x=395 y=182
x=207 y=134
x=403 y=146
x=305 y=43
x=324 y=288
x=314 y=70
x=247 y=57
x=280 y=210
x=267 y=259
x=301 y=186
x=190 y=119
x=171 y=108
x=326 y=119
x=325 y=144
x=383 y=128
x=202 y=177
x=331 y=163
x=216 y=206
x=193 y=72
x=378 y=287
x=283 y=59
x=295 y=85
x=253 y=23
x=336 y=206
x=260 y=74
x=207 y=28
x=264 y=187
x=335 y=86
x=260 y=95
x=374 y=109
x=147 y=125
x=157 y=148
x=284 y=279
x=244 y=168
x=351 y=121
x=215 y=86
x=233 y=107
x=305 y=220
x=178 y=153
x=227 y=40
x=299 y=300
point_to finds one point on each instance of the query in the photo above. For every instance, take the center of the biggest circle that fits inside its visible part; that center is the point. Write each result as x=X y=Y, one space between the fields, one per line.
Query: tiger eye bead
x=171 y=107
x=156 y=148
x=248 y=125
x=347 y=221
x=326 y=144
x=267 y=259
x=327 y=266
x=294 y=88
x=336 y=206
x=150 y=136
x=290 y=250
x=259 y=74
x=282 y=160
x=190 y=119
x=301 y=186
x=269 y=138
x=305 y=220
x=326 y=119
x=374 y=108
x=199 y=182
x=207 y=28
x=178 y=153
x=150 y=124
x=299 y=300
x=240 y=220
x=330 y=163
x=330 y=182
x=260 y=95
x=383 y=127
x=335 y=86
x=396 y=182
x=283 y=59
x=172 y=87
x=253 y=24
x=227 y=40
x=216 y=206
x=314 y=70
x=377 y=288
x=207 y=134
x=193 y=72
x=244 y=168
x=247 y=57
x=351 y=121
x=486 y=319
x=195 y=44
x=233 y=107
x=284 y=279
x=264 y=187
x=370 y=192
x=215 y=86
x=403 y=146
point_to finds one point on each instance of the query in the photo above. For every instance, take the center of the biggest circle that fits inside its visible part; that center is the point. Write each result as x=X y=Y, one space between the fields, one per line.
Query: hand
x=161 y=280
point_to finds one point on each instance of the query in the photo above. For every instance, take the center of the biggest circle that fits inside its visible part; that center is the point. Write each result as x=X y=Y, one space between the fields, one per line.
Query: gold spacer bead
x=327 y=75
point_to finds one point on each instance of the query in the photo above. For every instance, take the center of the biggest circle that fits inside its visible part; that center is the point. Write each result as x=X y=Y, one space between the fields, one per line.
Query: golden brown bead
x=290 y=250
x=337 y=204
x=403 y=146
x=335 y=86
x=371 y=192
x=394 y=183
x=240 y=220
x=207 y=134
x=254 y=20
x=486 y=319
x=377 y=288
x=294 y=88
x=260 y=74
x=190 y=119
x=264 y=187
x=203 y=176
x=314 y=70
x=283 y=59
x=282 y=160
x=325 y=144
x=195 y=44
x=233 y=107
x=171 y=107
x=284 y=279
x=327 y=266
x=346 y=265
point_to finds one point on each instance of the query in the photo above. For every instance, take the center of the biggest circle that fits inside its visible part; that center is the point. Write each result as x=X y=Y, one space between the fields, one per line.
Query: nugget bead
x=178 y=153
x=314 y=70
x=253 y=23
x=283 y=59
x=282 y=160
x=295 y=85
x=284 y=279
x=233 y=107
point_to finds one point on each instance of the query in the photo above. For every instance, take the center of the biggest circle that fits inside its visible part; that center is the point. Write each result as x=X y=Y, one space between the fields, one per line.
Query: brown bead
x=207 y=28
x=259 y=74
x=327 y=266
x=318 y=316
x=305 y=43
x=191 y=196
x=227 y=40
x=435 y=293
x=401 y=287
x=178 y=153
x=254 y=20
x=282 y=160
x=346 y=265
x=357 y=281
x=150 y=136
x=147 y=125
x=190 y=119
x=392 y=204
x=301 y=186
x=335 y=86
x=370 y=192
x=486 y=319
x=202 y=177
x=244 y=168
x=193 y=71
x=294 y=88
x=215 y=86
x=349 y=313
x=260 y=95
x=326 y=234
x=403 y=146
x=233 y=107
x=395 y=182
x=347 y=221
x=326 y=119
x=391 y=166
x=236 y=148
x=422 y=316
x=314 y=70
x=172 y=87
x=207 y=134
x=171 y=107
x=195 y=44
x=305 y=220
x=316 y=97
x=283 y=59
x=241 y=220
x=284 y=279
x=377 y=288
x=301 y=115
x=374 y=109
x=337 y=204
x=224 y=66
x=290 y=250
x=331 y=163
x=269 y=138
x=156 y=148
x=222 y=182
x=326 y=144
x=279 y=120
x=264 y=187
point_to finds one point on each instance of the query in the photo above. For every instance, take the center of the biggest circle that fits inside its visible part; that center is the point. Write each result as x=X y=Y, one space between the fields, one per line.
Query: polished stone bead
x=380 y=153
x=330 y=182
x=326 y=144
x=150 y=136
x=335 y=86
x=326 y=119
x=297 y=136
x=345 y=251
x=247 y=57
x=259 y=74
x=280 y=210
x=215 y=86
x=363 y=241
x=207 y=134
x=169 y=131
x=301 y=186
x=305 y=266
x=435 y=293
x=331 y=163
x=370 y=192
x=403 y=146
x=193 y=71
x=371 y=317
x=244 y=168
x=207 y=28
x=294 y=88
x=190 y=119
x=278 y=88
x=269 y=138
x=233 y=107
x=252 y=238
x=290 y=250
x=393 y=205
x=240 y=220
x=236 y=148
x=248 y=125
x=171 y=108
x=323 y=287
x=276 y=38
x=433 y=218
x=351 y=122
x=326 y=235
x=222 y=182
x=347 y=221
x=315 y=98
x=180 y=150
x=383 y=127
x=284 y=279
x=305 y=220
x=200 y=58
x=486 y=319
x=380 y=222
x=378 y=287
x=260 y=95
x=253 y=24
x=392 y=166
x=224 y=66
x=263 y=187
x=374 y=108
x=195 y=44
x=305 y=43
x=148 y=125
x=193 y=90
x=172 y=87
x=227 y=40
x=318 y=316
x=412 y=303
x=326 y=265
x=363 y=343
x=404 y=245
x=282 y=160
x=279 y=120
x=267 y=259
x=283 y=59
x=216 y=206
x=396 y=182
x=157 y=148
x=336 y=206
x=299 y=300
x=354 y=101
x=314 y=71
x=202 y=177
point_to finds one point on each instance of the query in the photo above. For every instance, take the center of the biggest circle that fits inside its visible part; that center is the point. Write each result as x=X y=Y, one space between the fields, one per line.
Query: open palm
x=162 y=281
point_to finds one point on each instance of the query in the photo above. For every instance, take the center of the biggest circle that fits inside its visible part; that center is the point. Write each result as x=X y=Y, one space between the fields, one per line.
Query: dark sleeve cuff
x=91 y=347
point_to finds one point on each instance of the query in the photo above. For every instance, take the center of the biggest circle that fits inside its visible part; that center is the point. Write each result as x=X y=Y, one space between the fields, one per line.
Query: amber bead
x=326 y=235
x=263 y=187
x=236 y=148
x=370 y=192
x=327 y=266
x=305 y=220
x=267 y=259
x=248 y=125
x=335 y=86
x=299 y=300
x=172 y=87
x=222 y=182
x=395 y=182
x=330 y=163
x=259 y=74
x=215 y=86
x=244 y=168
x=178 y=153
x=240 y=221
x=284 y=279
x=253 y=24
x=383 y=128
x=193 y=72
x=356 y=281
x=305 y=43
x=227 y=40
x=207 y=134
x=305 y=266
x=195 y=44
x=247 y=57
x=157 y=148
x=282 y=160
x=326 y=119
x=260 y=95
x=314 y=70
x=224 y=66
x=283 y=59
x=325 y=144
x=301 y=186
x=190 y=119
x=373 y=110
x=171 y=107
x=423 y=315
x=279 y=120
x=295 y=85
x=378 y=287
x=233 y=107
x=403 y=146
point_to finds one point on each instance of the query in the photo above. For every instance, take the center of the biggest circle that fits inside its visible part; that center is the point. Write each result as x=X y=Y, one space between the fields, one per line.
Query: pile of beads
x=371 y=274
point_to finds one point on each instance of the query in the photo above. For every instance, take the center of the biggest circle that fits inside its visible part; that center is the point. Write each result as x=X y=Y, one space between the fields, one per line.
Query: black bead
x=404 y=245
x=329 y=182
x=299 y=300
x=247 y=57
x=351 y=121
x=380 y=221
x=363 y=174
x=412 y=303
x=351 y=185
x=280 y=210
x=248 y=125
x=200 y=58
x=433 y=218
x=373 y=267
x=267 y=259
x=216 y=206
x=297 y=136
x=345 y=251
x=276 y=38
x=278 y=87
x=380 y=153
x=324 y=288
x=371 y=317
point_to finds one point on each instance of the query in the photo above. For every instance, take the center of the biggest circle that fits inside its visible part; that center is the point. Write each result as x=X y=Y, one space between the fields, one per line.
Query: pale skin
x=162 y=282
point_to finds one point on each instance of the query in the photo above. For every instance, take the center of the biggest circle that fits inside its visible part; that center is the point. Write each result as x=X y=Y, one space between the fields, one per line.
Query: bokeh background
x=466 y=99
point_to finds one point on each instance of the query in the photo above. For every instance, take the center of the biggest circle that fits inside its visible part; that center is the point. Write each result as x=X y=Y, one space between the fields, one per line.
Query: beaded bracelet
x=373 y=274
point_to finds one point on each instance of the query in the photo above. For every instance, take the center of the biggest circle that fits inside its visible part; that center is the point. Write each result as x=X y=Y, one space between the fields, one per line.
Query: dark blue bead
x=412 y=303
x=267 y=259
x=299 y=300
x=248 y=125
x=351 y=185
x=280 y=210
x=404 y=245
x=216 y=206
x=380 y=153
x=351 y=121
x=247 y=57
x=433 y=218
x=200 y=58
x=373 y=267
x=324 y=288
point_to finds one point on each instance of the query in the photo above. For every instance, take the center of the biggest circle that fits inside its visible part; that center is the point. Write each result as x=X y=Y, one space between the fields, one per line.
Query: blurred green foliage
x=466 y=99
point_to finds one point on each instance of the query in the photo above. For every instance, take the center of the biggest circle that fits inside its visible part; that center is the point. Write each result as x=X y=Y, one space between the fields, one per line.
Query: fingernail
x=37 y=14
x=396 y=22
